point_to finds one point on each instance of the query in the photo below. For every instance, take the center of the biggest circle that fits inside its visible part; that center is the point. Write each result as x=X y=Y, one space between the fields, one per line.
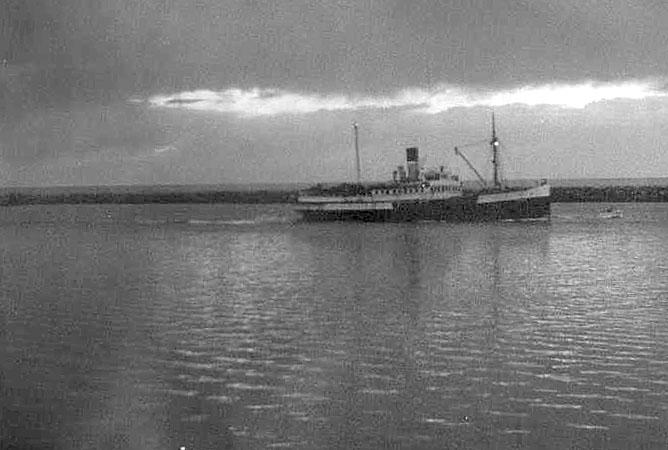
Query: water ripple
x=341 y=335
x=582 y=426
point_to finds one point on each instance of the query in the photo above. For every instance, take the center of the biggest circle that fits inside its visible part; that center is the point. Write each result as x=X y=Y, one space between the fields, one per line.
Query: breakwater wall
x=45 y=196
x=610 y=194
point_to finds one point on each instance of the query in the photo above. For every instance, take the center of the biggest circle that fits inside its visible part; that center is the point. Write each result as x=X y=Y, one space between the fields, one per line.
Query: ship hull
x=515 y=205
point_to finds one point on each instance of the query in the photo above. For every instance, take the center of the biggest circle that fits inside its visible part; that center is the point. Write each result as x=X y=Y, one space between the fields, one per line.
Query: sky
x=107 y=92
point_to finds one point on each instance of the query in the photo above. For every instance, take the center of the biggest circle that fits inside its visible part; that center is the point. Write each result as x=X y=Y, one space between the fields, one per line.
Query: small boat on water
x=417 y=193
x=610 y=213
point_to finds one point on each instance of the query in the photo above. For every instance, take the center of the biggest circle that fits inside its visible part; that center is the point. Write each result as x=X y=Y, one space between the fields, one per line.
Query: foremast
x=495 y=154
x=494 y=143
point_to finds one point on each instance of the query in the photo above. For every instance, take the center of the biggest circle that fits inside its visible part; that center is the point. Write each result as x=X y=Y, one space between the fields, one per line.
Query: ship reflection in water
x=236 y=329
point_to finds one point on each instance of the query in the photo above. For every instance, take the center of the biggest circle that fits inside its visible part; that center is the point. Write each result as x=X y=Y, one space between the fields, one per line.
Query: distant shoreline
x=47 y=196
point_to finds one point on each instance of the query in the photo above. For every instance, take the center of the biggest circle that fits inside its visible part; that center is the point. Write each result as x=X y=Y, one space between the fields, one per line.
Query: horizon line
x=287 y=183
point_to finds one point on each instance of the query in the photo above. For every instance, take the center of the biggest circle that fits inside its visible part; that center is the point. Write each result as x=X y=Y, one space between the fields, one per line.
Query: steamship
x=417 y=193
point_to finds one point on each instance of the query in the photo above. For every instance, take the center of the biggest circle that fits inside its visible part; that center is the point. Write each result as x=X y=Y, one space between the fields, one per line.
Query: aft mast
x=357 y=153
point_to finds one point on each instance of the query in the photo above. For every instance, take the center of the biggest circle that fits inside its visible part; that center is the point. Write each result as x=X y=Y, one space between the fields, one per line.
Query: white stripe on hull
x=367 y=206
x=312 y=199
x=541 y=191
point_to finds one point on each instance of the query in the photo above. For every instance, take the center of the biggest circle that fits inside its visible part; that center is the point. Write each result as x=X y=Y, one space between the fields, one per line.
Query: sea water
x=236 y=326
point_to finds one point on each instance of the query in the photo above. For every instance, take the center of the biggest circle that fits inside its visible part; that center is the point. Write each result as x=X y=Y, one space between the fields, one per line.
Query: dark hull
x=453 y=210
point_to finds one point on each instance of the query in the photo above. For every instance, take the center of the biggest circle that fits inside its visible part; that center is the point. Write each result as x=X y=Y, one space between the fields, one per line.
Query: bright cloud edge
x=257 y=102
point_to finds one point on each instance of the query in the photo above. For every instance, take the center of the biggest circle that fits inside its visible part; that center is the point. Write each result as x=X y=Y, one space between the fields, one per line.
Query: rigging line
x=472 y=144
x=480 y=180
